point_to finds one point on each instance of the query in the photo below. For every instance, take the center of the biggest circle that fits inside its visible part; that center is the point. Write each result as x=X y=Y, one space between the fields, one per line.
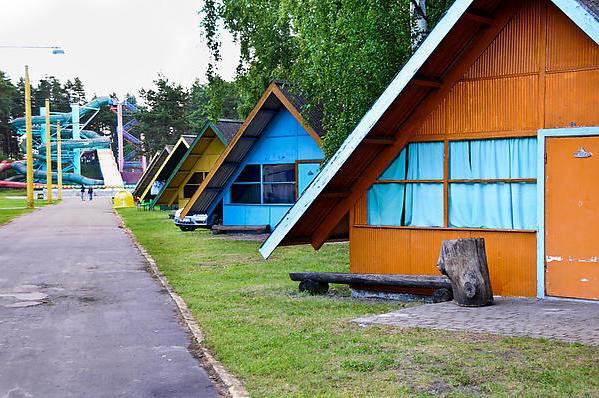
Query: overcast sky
x=111 y=45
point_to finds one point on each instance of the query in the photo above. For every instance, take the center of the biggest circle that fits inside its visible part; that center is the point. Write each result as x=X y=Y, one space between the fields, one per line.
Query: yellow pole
x=29 y=137
x=59 y=160
x=48 y=154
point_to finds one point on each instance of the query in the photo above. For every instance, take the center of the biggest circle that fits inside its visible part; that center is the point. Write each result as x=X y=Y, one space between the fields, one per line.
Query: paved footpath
x=570 y=321
x=81 y=317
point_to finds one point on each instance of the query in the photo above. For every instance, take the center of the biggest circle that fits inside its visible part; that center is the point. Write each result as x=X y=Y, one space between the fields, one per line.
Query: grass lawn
x=12 y=204
x=282 y=343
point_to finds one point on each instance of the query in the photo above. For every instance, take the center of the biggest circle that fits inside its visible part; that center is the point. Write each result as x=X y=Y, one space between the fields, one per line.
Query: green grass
x=283 y=343
x=11 y=207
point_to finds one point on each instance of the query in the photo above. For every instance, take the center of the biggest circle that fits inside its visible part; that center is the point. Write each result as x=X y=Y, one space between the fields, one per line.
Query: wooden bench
x=318 y=282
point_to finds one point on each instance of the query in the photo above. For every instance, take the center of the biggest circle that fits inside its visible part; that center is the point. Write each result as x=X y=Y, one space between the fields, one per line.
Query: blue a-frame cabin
x=271 y=160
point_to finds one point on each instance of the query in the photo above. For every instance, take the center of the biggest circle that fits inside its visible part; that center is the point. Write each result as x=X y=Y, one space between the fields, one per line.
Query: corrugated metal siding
x=511 y=255
x=360 y=210
x=572 y=97
x=517 y=41
x=494 y=105
x=568 y=47
x=435 y=123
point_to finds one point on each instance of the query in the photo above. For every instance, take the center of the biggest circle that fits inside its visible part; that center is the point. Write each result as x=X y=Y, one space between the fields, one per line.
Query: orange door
x=572 y=217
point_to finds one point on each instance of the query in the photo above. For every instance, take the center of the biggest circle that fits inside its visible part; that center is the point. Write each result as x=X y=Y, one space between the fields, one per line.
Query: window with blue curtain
x=399 y=199
x=491 y=184
x=501 y=193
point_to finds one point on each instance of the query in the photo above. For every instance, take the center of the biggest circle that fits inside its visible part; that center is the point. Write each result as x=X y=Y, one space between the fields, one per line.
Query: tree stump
x=464 y=262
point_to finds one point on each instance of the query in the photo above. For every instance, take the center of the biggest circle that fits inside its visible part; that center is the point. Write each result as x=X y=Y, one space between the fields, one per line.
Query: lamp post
x=29 y=138
x=56 y=50
x=59 y=160
x=48 y=154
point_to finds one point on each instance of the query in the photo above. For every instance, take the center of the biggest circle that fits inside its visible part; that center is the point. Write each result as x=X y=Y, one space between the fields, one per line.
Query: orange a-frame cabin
x=481 y=134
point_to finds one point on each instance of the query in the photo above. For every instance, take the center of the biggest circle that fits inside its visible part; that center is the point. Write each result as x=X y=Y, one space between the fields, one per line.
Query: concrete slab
x=569 y=321
x=81 y=316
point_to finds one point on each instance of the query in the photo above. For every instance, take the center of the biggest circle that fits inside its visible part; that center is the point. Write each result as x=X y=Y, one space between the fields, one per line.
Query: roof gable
x=148 y=174
x=276 y=97
x=167 y=165
x=223 y=129
x=429 y=62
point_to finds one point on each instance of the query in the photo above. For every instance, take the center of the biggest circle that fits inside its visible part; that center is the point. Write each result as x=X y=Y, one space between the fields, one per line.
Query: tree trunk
x=464 y=261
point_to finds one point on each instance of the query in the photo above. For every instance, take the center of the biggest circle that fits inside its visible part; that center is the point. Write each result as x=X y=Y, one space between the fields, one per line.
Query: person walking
x=82 y=193
x=90 y=193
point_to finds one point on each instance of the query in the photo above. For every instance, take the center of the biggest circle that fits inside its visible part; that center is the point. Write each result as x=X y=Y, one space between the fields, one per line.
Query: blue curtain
x=386 y=204
x=397 y=169
x=396 y=204
x=493 y=159
x=424 y=205
x=493 y=205
x=425 y=161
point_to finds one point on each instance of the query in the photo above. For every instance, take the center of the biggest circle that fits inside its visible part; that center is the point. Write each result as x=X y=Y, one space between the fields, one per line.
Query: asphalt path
x=81 y=317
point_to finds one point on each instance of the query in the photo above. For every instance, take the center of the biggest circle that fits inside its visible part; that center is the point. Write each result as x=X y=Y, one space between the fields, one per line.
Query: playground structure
x=77 y=142
x=130 y=169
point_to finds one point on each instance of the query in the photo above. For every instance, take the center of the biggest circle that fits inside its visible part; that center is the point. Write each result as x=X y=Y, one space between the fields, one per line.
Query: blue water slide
x=67 y=178
x=64 y=117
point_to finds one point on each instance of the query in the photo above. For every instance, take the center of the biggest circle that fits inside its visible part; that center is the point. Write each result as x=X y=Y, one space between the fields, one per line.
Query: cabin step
x=243 y=229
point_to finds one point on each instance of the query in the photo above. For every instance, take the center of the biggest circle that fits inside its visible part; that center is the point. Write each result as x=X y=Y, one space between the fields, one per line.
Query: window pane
x=386 y=204
x=417 y=205
x=424 y=205
x=397 y=169
x=493 y=159
x=279 y=172
x=501 y=205
x=245 y=193
x=250 y=173
x=419 y=161
x=425 y=161
x=279 y=193
x=197 y=178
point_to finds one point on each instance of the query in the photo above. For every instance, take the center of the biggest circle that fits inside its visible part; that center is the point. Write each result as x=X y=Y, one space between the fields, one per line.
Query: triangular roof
x=278 y=95
x=466 y=30
x=170 y=162
x=223 y=129
x=151 y=170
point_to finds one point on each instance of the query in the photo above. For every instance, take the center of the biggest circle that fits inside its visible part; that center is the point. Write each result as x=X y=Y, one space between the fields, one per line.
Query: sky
x=111 y=45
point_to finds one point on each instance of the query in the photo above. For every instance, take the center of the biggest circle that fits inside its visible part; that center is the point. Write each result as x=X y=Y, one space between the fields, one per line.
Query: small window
x=245 y=193
x=279 y=173
x=250 y=173
x=279 y=193
x=193 y=184
x=197 y=178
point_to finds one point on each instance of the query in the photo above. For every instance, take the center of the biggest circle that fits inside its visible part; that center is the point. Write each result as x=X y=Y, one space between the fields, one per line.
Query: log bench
x=318 y=282
x=244 y=229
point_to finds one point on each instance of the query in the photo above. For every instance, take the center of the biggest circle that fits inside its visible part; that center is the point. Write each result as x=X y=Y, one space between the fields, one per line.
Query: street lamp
x=56 y=50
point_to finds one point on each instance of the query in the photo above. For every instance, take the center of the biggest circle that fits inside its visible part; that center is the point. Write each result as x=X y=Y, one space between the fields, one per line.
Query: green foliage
x=170 y=110
x=8 y=107
x=367 y=42
x=341 y=54
x=162 y=118
x=221 y=99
